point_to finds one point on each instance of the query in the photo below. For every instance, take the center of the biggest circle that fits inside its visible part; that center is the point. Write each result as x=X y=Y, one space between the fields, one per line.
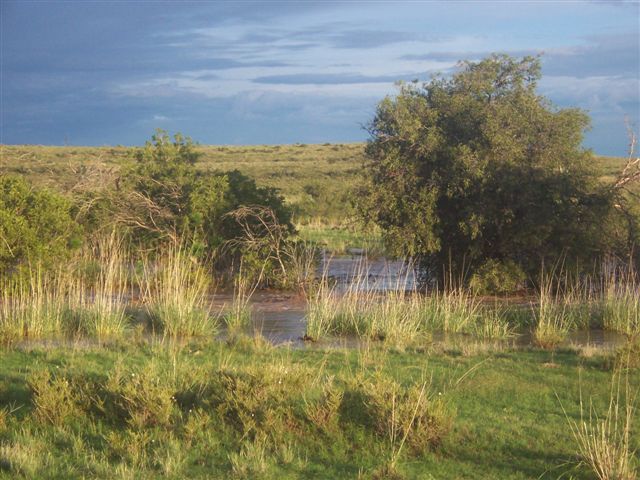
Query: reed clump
x=551 y=315
x=238 y=315
x=621 y=302
x=603 y=438
x=394 y=317
x=401 y=315
x=452 y=310
x=494 y=323
x=174 y=292
x=97 y=303
x=33 y=307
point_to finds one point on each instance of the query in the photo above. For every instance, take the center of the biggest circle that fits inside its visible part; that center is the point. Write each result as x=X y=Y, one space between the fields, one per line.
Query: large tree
x=479 y=167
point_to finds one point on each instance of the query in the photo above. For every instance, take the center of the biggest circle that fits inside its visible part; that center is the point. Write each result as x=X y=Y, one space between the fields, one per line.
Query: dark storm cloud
x=107 y=72
x=604 y=55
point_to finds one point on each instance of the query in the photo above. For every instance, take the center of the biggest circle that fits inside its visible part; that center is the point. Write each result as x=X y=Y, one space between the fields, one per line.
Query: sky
x=110 y=73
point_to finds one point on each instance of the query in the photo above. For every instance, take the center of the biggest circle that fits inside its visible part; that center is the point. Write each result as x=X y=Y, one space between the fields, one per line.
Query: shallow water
x=369 y=274
x=280 y=317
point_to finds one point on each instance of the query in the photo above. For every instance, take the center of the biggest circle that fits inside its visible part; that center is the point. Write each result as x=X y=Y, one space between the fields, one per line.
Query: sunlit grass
x=603 y=438
x=174 y=291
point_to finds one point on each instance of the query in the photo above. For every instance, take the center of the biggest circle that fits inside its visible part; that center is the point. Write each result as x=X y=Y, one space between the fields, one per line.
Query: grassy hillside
x=314 y=179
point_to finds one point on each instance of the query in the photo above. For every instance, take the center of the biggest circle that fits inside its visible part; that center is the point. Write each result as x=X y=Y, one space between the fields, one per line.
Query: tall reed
x=397 y=314
x=96 y=306
x=322 y=309
x=493 y=323
x=33 y=307
x=621 y=303
x=453 y=310
x=174 y=290
x=238 y=316
x=361 y=310
x=604 y=439
x=552 y=321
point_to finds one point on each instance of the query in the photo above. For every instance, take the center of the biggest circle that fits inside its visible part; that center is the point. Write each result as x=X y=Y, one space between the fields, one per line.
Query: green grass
x=216 y=410
x=341 y=239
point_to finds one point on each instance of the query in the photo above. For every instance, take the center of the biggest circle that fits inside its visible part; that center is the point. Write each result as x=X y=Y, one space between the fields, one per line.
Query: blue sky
x=109 y=73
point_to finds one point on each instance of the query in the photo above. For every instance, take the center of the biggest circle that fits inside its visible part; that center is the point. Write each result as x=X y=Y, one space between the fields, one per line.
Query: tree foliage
x=480 y=167
x=36 y=226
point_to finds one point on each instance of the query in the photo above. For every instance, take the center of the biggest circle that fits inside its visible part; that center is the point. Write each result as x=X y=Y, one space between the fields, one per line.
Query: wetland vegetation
x=136 y=283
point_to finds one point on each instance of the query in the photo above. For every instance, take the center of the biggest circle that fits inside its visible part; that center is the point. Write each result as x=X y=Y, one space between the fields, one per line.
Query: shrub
x=143 y=398
x=36 y=226
x=412 y=415
x=323 y=413
x=53 y=397
x=495 y=277
x=162 y=195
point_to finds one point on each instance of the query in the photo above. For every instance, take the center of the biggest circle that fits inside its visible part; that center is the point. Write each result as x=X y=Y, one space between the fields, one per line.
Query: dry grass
x=603 y=439
x=174 y=290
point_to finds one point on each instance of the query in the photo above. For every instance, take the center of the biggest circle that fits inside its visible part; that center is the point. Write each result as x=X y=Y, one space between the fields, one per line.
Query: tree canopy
x=480 y=167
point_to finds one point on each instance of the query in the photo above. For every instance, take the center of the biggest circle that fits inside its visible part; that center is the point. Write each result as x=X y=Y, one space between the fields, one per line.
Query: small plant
x=324 y=413
x=412 y=415
x=251 y=461
x=143 y=398
x=53 y=397
x=254 y=400
x=24 y=457
x=628 y=355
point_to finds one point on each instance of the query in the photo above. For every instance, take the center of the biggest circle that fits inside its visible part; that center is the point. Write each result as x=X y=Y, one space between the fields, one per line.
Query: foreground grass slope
x=248 y=410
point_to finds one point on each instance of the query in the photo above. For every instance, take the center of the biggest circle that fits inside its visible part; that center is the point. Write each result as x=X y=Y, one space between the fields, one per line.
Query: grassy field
x=248 y=410
x=315 y=180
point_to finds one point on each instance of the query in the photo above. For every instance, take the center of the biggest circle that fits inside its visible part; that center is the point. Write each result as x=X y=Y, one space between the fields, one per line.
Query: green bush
x=162 y=195
x=495 y=277
x=36 y=226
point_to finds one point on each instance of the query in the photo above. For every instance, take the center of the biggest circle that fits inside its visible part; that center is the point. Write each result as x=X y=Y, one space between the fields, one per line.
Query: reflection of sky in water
x=377 y=274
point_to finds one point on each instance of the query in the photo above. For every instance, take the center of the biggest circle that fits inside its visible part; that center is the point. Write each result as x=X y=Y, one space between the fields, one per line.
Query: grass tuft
x=174 y=290
x=604 y=439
